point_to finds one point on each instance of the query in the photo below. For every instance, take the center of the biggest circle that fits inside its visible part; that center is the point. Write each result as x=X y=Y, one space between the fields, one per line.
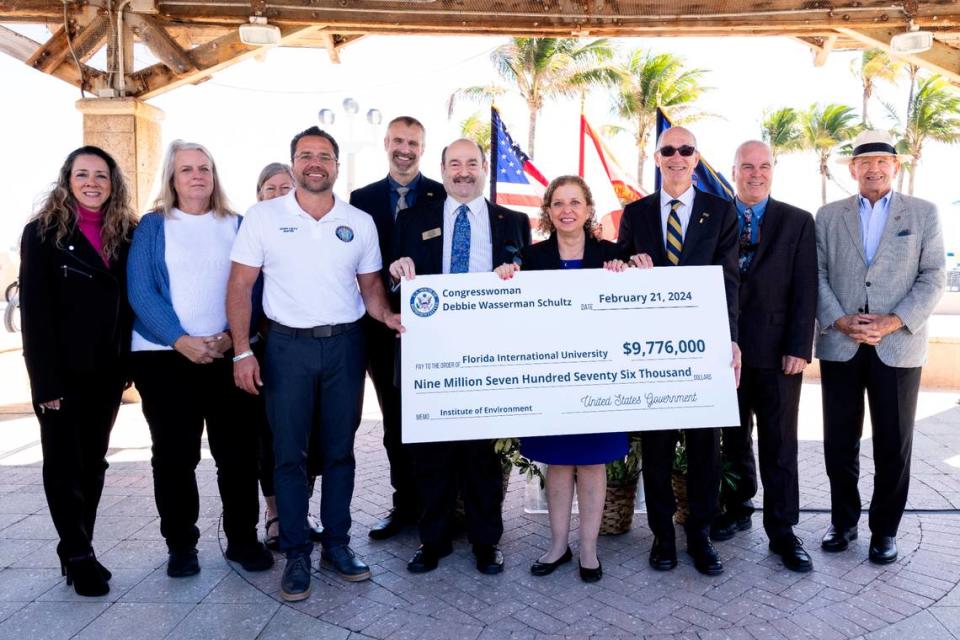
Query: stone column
x=129 y=130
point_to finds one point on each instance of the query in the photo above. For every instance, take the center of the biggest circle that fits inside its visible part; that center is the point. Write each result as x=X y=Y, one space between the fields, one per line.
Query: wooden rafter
x=192 y=39
x=941 y=59
x=208 y=59
x=83 y=45
x=161 y=43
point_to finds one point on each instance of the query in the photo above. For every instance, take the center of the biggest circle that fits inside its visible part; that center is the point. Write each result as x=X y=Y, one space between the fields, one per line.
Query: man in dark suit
x=463 y=233
x=681 y=226
x=403 y=187
x=778 y=304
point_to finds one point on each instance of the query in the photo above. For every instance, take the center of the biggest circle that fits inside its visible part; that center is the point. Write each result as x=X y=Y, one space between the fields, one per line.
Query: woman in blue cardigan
x=181 y=354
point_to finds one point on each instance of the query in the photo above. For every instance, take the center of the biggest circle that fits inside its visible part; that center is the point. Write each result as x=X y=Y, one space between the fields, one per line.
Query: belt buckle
x=323 y=332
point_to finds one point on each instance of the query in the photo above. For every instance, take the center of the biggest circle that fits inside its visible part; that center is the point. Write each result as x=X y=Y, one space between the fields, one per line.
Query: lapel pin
x=70 y=248
x=704 y=216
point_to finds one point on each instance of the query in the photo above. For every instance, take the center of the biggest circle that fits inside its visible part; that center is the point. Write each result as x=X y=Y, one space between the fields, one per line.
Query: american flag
x=514 y=182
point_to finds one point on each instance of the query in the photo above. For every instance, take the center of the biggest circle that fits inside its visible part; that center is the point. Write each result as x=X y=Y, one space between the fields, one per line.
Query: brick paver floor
x=844 y=597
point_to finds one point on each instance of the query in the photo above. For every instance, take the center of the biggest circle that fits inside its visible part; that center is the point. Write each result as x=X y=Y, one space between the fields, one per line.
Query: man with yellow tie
x=679 y=225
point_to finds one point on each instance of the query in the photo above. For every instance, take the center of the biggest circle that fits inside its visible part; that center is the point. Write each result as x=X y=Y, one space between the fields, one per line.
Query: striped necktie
x=674 y=234
x=460 y=245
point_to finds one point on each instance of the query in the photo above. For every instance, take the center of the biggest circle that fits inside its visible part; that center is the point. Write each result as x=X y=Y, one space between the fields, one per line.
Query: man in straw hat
x=881 y=273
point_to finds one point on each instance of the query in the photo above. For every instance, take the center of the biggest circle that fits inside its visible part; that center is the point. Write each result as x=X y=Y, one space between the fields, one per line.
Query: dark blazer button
x=868 y=284
x=860 y=310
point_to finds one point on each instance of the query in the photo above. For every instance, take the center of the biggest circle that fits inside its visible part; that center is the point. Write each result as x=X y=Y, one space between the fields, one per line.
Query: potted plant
x=509 y=450
x=622 y=478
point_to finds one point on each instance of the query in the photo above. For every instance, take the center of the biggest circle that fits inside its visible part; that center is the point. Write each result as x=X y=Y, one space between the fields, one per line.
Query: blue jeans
x=314 y=386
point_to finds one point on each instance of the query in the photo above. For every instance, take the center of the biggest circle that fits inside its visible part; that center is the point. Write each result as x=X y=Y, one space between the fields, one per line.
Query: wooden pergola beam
x=57 y=49
x=941 y=59
x=207 y=59
x=160 y=43
x=821 y=53
x=19 y=46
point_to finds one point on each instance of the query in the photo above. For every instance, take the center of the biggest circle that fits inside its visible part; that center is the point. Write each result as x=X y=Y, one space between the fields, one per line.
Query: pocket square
x=905 y=232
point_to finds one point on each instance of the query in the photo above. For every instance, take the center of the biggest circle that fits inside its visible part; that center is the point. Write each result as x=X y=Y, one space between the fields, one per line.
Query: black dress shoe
x=726 y=525
x=391 y=525
x=883 y=549
x=489 y=558
x=295 y=583
x=723 y=528
x=791 y=552
x=183 y=563
x=838 y=538
x=428 y=557
x=345 y=562
x=253 y=556
x=591 y=575
x=705 y=557
x=663 y=554
x=546 y=568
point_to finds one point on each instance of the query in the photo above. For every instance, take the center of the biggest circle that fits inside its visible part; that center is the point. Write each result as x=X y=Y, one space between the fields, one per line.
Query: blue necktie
x=460 y=247
x=674 y=233
x=747 y=248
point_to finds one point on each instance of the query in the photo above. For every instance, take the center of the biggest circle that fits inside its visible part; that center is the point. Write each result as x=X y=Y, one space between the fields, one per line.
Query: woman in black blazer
x=76 y=334
x=568 y=216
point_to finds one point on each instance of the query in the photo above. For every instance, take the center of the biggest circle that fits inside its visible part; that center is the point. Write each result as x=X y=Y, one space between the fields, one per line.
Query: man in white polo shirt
x=321 y=265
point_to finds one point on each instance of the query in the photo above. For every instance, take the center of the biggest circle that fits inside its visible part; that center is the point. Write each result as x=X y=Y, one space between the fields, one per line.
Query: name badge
x=433 y=233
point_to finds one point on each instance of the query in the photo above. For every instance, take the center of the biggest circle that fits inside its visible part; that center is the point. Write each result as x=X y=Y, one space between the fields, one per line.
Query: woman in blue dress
x=573 y=460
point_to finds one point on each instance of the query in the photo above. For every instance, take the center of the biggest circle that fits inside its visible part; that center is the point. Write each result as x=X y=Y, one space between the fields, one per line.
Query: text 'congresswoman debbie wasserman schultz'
x=562 y=352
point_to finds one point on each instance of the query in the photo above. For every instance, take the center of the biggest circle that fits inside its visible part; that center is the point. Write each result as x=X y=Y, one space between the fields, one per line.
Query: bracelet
x=241 y=356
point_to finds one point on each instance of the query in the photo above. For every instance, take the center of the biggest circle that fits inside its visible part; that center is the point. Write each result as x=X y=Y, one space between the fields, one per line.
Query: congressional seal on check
x=565 y=352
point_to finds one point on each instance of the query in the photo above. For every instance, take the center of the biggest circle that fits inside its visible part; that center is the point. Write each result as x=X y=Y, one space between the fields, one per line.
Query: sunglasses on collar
x=685 y=150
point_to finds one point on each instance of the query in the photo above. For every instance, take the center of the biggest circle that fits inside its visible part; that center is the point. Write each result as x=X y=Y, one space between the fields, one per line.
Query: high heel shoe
x=86 y=575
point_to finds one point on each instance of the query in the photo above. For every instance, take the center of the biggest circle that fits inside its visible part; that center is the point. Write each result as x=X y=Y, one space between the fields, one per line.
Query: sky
x=246 y=114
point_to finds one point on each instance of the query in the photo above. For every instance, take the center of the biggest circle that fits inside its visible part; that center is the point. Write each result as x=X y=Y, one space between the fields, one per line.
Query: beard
x=315 y=185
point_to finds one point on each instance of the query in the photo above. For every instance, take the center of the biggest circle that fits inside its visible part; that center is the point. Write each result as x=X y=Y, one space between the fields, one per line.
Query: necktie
x=674 y=233
x=746 y=241
x=460 y=246
x=401 y=200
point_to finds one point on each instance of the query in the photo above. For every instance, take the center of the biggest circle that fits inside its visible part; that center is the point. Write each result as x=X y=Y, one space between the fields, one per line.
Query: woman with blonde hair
x=177 y=280
x=76 y=336
x=574 y=461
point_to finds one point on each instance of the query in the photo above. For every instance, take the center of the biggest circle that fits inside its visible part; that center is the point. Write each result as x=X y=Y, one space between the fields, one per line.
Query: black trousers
x=703 y=479
x=264 y=435
x=471 y=467
x=179 y=397
x=892 y=394
x=74 y=441
x=773 y=398
x=381 y=356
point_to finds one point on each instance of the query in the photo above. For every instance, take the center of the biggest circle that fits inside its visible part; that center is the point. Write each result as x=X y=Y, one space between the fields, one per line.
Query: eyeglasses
x=685 y=150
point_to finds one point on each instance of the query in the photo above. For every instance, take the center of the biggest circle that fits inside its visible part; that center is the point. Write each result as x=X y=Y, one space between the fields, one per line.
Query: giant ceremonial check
x=563 y=352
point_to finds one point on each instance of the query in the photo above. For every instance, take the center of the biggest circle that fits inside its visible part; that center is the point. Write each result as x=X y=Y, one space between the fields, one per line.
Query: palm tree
x=781 y=130
x=650 y=81
x=823 y=128
x=540 y=69
x=934 y=115
x=477 y=127
x=875 y=64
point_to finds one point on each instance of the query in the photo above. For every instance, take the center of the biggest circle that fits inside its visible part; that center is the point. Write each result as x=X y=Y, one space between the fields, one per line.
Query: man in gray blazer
x=881 y=273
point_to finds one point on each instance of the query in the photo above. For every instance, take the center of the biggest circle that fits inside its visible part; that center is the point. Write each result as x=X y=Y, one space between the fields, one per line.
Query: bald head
x=677 y=158
x=753 y=172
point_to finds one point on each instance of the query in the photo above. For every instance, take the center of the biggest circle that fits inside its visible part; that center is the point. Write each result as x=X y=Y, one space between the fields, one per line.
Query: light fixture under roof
x=912 y=41
x=259 y=34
